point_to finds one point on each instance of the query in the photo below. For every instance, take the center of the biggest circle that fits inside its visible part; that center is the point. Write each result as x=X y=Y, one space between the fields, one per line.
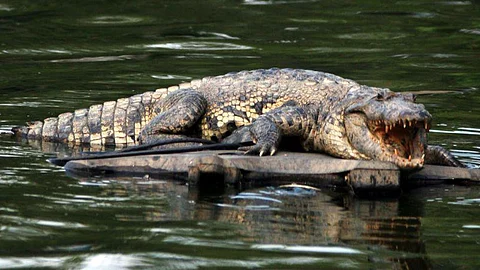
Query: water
x=57 y=56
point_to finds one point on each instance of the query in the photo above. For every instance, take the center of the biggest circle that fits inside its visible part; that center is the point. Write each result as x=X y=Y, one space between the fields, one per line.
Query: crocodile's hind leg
x=440 y=156
x=179 y=112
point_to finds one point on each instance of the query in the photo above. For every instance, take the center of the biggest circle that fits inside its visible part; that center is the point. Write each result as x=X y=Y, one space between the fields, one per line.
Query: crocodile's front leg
x=440 y=156
x=268 y=129
x=179 y=112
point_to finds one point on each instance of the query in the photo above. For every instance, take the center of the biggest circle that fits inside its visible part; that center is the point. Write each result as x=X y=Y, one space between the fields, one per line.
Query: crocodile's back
x=236 y=99
x=303 y=86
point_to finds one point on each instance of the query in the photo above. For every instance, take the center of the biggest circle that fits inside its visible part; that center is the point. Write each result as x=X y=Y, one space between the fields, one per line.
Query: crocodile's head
x=389 y=126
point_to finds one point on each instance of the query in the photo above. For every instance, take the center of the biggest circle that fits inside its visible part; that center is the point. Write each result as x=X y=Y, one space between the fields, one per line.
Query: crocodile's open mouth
x=402 y=142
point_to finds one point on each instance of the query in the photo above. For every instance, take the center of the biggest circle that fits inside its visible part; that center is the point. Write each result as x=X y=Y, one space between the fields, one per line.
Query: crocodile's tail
x=111 y=123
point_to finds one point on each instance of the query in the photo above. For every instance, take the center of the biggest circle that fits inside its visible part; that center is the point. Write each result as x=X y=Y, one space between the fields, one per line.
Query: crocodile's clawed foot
x=260 y=149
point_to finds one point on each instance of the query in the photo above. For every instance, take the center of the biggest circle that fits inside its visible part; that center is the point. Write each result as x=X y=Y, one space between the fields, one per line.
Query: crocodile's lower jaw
x=404 y=163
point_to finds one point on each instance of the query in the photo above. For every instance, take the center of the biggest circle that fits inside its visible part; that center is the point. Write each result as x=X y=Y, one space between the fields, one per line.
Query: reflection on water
x=275 y=2
x=198 y=46
x=311 y=229
x=116 y=20
x=461 y=131
x=471 y=31
x=139 y=222
x=98 y=59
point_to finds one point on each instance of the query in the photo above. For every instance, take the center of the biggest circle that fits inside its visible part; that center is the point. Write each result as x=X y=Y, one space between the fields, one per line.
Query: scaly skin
x=328 y=113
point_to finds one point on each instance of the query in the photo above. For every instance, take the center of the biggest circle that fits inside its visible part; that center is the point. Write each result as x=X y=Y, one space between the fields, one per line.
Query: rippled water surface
x=58 y=56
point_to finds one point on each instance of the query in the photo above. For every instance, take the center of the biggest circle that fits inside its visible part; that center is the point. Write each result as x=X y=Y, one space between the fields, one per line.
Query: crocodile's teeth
x=386 y=128
x=404 y=124
x=426 y=125
x=396 y=151
x=423 y=156
x=409 y=157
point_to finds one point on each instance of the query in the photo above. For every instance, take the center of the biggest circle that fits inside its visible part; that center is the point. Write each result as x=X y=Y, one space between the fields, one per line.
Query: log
x=234 y=168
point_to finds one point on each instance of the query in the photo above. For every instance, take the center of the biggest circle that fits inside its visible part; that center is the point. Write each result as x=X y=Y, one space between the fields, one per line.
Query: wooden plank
x=362 y=177
x=284 y=163
x=286 y=167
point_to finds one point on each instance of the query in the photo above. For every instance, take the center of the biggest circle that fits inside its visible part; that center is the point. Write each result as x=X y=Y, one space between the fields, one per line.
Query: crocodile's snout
x=389 y=127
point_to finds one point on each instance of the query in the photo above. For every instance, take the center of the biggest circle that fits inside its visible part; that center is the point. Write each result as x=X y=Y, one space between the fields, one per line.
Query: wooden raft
x=232 y=167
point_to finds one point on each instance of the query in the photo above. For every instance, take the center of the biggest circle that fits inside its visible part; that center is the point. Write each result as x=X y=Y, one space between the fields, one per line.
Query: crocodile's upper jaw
x=390 y=129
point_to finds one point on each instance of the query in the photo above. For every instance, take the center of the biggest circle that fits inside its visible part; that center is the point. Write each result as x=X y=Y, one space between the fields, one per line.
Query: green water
x=57 y=56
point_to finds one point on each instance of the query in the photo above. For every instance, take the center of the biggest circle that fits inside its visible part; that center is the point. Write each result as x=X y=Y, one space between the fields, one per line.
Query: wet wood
x=432 y=92
x=286 y=167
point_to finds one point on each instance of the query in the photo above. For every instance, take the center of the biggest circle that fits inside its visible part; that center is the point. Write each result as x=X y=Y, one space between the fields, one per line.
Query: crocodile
x=327 y=113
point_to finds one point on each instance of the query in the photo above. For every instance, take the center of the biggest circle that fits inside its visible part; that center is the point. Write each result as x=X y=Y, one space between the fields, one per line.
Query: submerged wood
x=286 y=167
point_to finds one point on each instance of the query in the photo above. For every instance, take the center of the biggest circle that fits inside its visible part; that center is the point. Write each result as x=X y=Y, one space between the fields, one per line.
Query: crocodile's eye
x=410 y=97
x=379 y=97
